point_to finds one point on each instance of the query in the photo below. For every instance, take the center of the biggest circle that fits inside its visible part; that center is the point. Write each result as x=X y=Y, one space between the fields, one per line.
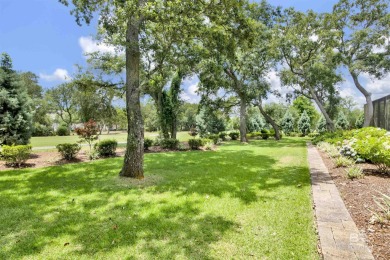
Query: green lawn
x=120 y=137
x=240 y=202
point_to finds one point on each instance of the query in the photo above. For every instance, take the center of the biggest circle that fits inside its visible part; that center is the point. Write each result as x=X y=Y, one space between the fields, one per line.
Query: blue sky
x=41 y=36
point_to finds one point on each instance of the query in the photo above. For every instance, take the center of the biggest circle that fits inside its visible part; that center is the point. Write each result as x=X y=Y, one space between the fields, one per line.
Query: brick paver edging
x=339 y=236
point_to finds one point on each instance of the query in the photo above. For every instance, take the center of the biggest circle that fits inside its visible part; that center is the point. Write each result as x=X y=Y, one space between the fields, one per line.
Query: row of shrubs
x=42 y=130
x=366 y=144
x=104 y=148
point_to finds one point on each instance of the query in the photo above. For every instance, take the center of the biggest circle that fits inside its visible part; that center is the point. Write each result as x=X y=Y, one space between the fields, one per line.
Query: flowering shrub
x=369 y=143
x=348 y=151
x=376 y=150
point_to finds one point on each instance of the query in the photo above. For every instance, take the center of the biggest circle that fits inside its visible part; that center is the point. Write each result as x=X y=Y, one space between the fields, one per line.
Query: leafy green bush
x=293 y=134
x=16 y=155
x=330 y=137
x=355 y=172
x=147 y=143
x=169 y=143
x=63 y=131
x=106 y=148
x=215 y=138
x=265 y=134
x=195 y=143
x=42 y=130
x=348 y=151
x=234 y=135
x=68 y=151
x=313 y=134
x=223 y=135
x=376 y=150
x=207 y=144
x=254 y=134
x=193 y=132
x=182 y=147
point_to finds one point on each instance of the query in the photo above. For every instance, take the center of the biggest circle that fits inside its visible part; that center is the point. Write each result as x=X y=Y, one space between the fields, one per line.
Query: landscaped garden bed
x=39 y=159
x=358 y=196
x=358 y=162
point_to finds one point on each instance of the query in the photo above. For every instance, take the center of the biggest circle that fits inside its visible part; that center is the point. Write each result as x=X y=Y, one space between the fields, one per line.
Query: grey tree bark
x=269 y=120
x=243 y=105
x=329 y=122
x=134 y=157
x=369 y=112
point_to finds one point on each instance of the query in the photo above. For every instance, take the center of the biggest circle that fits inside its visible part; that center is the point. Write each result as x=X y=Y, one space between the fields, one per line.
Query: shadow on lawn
x=50 y=204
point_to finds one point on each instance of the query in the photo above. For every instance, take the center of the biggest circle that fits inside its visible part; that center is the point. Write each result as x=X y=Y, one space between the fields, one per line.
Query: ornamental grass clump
x=355 y=172
x=342 y=161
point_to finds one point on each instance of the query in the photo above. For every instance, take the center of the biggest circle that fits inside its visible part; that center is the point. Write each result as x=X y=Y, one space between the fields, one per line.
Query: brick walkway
x=339 y=236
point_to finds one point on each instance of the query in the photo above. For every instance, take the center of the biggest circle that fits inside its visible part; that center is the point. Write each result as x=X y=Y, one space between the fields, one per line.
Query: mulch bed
x=358 y=196
x=39 y=159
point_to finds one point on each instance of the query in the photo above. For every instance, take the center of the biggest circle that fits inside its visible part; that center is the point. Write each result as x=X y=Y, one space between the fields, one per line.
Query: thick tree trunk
x=134 y=157
x=369 y=111
x=270 y=121
x=164 y=128
x=174 y=129
x=174 y=96
x=243 y=138
x=329 y=122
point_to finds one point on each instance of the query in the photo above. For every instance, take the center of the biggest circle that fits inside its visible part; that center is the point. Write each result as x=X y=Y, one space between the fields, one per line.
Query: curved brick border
x=339 y=236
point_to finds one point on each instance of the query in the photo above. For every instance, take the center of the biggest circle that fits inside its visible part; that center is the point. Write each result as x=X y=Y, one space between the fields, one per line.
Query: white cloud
x=190 y=88
x=381 y=48
x=57 y=75
x=193 y=89
x=378 y=87
x=89 y=45
x=184 y=96
x=276 y=85
x=313 y=38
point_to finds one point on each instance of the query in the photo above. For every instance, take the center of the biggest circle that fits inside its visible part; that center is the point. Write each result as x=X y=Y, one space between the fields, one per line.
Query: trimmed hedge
x=68 y=151
x=148 y=143
x=63 y=131
x=234 y=135
x=170 y=143
x=106 y=148
x=16 y=155
x=195 y=144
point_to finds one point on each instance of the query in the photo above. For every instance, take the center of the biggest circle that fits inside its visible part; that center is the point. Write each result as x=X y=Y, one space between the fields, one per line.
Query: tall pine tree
x=342 y=121
x=15 y=106
x=288 y=123
x=304 y=123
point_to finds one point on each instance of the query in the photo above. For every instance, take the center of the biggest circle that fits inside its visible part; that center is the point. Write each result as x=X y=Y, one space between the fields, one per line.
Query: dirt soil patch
x=358 y=196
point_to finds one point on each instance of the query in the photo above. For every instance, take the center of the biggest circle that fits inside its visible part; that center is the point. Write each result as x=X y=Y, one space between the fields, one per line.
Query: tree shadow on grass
x=172 y=230
x=82 y=204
